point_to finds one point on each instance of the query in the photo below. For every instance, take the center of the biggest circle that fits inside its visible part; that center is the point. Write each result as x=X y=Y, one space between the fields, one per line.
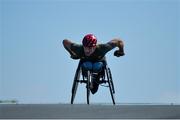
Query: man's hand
x=74 y=57
x=118 y=53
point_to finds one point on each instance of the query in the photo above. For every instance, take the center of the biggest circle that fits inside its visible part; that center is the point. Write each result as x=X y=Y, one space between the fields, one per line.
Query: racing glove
x=118 y=53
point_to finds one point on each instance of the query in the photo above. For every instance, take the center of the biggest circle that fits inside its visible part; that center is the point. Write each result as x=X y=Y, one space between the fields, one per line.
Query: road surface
x=83 y=111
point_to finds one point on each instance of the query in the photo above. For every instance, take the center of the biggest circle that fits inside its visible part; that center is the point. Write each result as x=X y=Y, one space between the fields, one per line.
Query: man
x=92 y=55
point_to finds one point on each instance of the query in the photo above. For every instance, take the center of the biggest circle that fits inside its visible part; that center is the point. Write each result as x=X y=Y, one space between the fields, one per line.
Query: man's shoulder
x=77 y=49
x=76 y=46
x=103 y=46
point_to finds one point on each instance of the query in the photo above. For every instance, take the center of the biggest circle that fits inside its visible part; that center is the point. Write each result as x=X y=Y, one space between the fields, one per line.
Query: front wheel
x=88 y=86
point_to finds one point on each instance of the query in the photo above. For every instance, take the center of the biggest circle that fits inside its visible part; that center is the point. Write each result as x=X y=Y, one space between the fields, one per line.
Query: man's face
x=89 y=50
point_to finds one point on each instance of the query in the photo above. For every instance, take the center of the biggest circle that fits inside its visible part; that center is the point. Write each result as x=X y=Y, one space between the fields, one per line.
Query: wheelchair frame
x=106 y=78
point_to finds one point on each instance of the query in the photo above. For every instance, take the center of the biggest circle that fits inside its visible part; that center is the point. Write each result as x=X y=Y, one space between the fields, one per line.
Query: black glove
x=74 y=57
x=118 y=53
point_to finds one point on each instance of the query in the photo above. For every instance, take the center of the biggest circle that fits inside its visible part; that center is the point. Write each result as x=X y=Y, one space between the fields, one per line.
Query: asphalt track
x=83 y=111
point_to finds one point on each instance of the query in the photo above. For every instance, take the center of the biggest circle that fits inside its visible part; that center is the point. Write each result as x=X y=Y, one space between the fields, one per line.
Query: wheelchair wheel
x=75 y=84
x=88 y=86
x=111 y=85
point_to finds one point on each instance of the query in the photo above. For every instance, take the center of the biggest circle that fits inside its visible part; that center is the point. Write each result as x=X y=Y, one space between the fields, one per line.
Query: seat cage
x=102 y=73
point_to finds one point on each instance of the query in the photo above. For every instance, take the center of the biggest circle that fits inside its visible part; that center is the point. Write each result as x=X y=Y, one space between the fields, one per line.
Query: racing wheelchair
x=105 y=79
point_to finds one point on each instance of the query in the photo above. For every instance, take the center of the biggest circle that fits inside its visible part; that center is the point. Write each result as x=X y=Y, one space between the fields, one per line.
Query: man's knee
x=97 y=67
x=87 y=66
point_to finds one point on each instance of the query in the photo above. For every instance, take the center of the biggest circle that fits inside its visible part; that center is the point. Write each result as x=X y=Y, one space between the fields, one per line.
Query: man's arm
x=117 y=43
x=67 y=45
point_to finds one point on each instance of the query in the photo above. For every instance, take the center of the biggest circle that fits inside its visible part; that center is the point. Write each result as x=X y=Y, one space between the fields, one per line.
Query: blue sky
x=35 y=68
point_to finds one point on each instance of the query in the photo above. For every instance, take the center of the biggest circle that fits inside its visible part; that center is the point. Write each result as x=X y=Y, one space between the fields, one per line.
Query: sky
x=35 y=68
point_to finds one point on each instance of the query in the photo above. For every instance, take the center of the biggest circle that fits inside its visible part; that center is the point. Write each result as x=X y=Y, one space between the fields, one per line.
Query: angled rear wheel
x=111 y=85
x=75 y=84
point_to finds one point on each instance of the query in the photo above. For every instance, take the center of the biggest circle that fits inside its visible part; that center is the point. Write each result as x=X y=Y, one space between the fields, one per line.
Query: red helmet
x=89 y=40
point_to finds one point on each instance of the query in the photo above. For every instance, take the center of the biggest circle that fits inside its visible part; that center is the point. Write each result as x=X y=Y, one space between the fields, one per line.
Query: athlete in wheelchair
x=92 y=65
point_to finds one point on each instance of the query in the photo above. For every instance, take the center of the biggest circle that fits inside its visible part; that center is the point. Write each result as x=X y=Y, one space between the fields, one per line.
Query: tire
x=111 y=81
x=111 y=85
x=75 y=85
x=88 y=86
